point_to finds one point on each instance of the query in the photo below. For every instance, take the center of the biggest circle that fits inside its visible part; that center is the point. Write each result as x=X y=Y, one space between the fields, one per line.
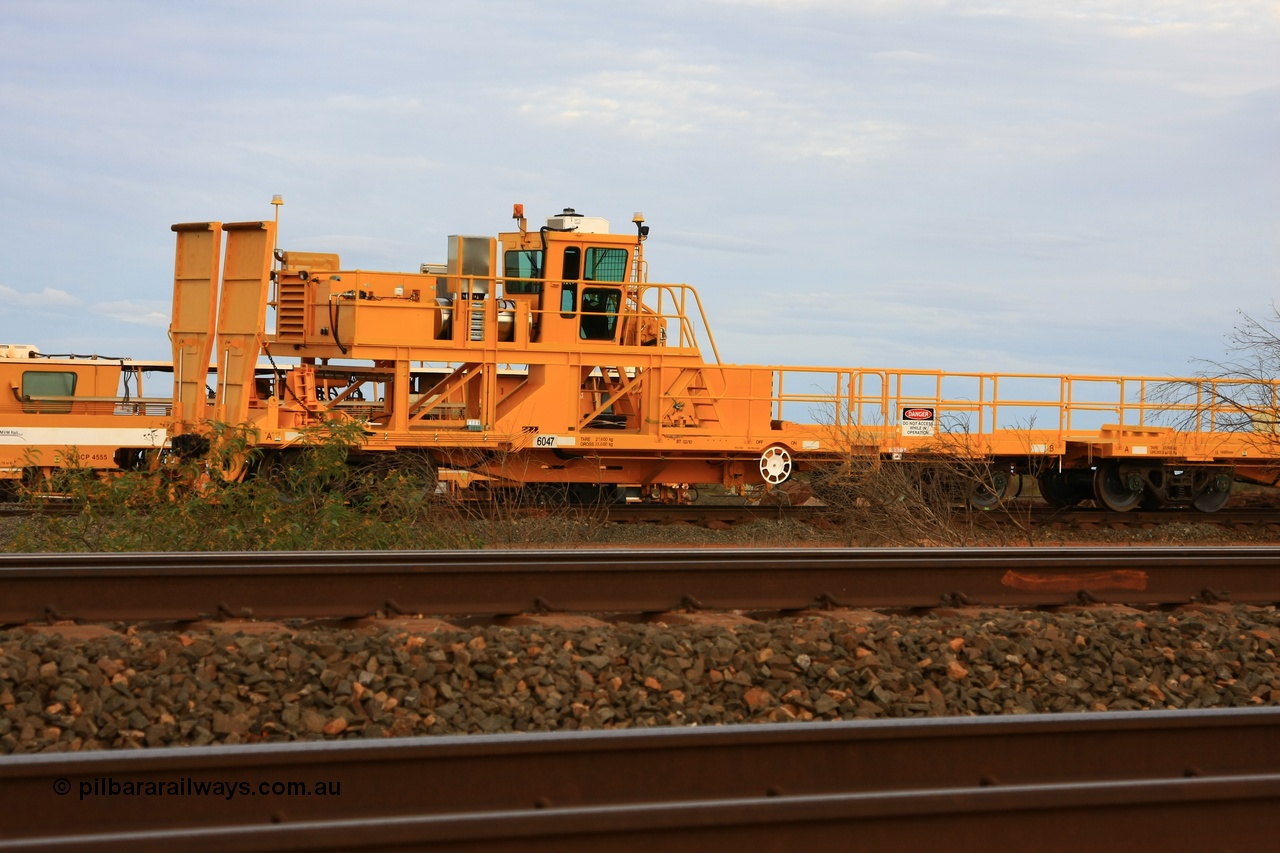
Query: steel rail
x=110 y=587
x=1229 y=813
x=509 y=777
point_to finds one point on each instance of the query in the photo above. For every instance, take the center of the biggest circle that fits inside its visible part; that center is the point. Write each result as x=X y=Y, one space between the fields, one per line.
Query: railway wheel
x=1216 y=496
x=1056 y=491
x=994 y=488
x=232 y=467
x=1117 y=491
x=776 y=466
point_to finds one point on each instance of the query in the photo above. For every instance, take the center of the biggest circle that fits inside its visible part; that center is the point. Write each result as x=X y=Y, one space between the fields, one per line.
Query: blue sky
x=1087 y=187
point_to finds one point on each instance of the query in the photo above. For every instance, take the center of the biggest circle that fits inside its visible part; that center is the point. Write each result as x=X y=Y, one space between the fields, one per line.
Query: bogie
x=1122 y=486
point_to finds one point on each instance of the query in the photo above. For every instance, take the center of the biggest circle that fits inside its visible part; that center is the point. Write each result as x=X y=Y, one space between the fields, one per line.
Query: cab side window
x=599 y=313
x=40 y=383
x=522 y=264
x=572 y=270
x=605 y=264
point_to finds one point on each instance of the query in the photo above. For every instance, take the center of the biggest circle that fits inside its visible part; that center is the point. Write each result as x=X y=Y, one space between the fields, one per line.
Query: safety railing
x=983 y=403
x=104 y=406
x=649 y=314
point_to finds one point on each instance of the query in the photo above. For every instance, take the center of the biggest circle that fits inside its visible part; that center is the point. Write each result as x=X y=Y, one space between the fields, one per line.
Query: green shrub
x=320 y=496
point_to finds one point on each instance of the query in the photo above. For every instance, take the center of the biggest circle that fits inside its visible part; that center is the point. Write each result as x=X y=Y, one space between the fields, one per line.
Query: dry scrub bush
x=926 y=498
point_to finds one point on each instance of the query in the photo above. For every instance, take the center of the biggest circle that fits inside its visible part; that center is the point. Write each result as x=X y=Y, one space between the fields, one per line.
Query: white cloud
x=705 y=105
x=44 y=299
x=139 y=312
x=1143 y=18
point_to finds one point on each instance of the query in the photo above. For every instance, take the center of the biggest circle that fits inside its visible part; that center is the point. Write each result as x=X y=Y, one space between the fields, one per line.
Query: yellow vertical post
x=195 y=309
x=489 y=392
x=242 y=313
x=397 y=394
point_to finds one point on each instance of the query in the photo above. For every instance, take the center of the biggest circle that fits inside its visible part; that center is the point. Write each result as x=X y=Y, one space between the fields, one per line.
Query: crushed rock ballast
x=145 y=688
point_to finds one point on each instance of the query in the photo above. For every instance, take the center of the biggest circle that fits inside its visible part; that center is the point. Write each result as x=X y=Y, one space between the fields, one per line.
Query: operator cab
x=573 y=273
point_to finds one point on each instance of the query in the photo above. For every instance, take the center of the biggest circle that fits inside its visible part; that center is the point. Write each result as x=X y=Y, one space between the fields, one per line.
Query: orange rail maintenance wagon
x=547 y=356
x=90 y=411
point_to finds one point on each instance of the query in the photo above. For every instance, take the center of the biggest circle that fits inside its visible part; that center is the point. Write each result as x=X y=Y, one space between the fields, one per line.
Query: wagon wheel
x=1216 y=496
x=233 y=468
x=775 y=465
x=1116 y=491
x=994 y=488
x=1056 y=491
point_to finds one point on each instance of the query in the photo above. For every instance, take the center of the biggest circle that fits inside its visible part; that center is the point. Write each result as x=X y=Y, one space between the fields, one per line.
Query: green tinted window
x=523 y=263
x=606 y=264
x=599 y=313
x=39 y=383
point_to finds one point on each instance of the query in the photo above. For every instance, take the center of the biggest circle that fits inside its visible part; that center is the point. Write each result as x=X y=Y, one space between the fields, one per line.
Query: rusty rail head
x=1191 y=813
x=118 y=587
x=453 y=776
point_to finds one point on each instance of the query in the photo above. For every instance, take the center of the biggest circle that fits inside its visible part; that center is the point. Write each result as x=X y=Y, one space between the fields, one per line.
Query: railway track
x=1184 y=780
x=178 y=587
x=1146 y=781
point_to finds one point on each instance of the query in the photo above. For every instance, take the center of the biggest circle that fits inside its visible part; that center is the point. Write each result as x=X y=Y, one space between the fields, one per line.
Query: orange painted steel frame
x=548 y=357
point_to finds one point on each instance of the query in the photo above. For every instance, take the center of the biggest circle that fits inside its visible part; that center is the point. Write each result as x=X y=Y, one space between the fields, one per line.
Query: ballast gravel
x=142 y=688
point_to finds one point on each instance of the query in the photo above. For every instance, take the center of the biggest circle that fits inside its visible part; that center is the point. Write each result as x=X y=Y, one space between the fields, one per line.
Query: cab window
x=572 y=271
x=605 y=264
x=572 y=263
x=40 y=383
x=523 y=264
x=599 y=313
